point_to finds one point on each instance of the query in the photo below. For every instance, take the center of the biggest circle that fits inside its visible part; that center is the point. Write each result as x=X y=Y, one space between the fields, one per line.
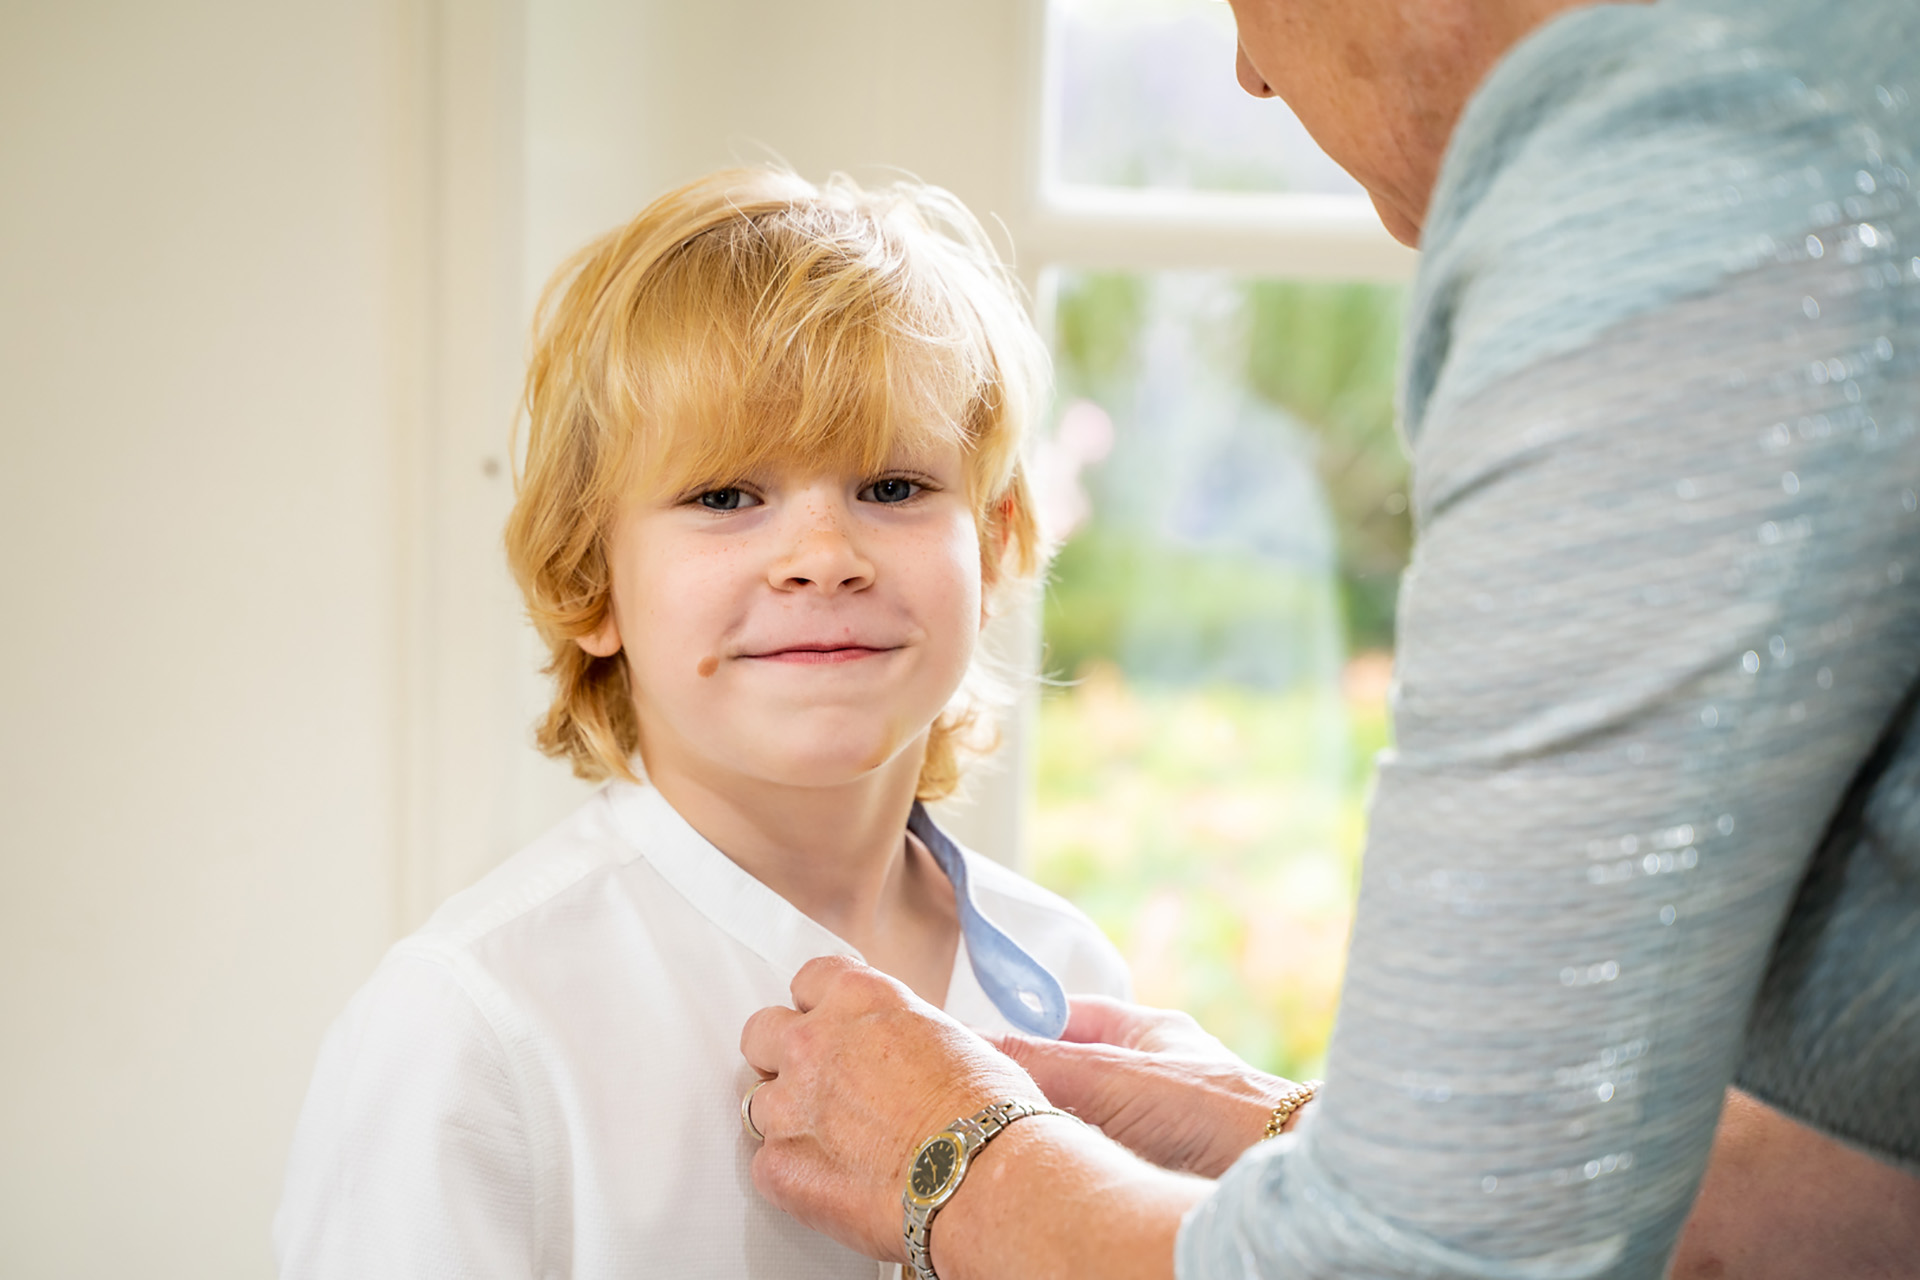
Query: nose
x=820 y=554
x=1249 y=76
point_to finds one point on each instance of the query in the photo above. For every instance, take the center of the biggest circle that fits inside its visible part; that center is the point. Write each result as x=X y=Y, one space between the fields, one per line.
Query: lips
x=820 y=654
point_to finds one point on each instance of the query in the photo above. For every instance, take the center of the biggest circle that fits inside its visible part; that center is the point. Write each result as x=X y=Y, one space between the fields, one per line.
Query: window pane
x=1218 y=621
x=1144 y=95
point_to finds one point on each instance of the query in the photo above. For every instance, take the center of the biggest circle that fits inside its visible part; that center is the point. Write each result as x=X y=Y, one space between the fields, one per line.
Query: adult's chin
x=1399 y=225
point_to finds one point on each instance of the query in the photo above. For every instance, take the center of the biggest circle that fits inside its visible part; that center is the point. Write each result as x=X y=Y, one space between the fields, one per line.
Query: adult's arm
x=1659 y=618
x=1781 y=1201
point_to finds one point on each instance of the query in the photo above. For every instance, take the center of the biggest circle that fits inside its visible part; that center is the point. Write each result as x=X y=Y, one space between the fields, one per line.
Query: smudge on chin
x=708 y=665
x=897 y=736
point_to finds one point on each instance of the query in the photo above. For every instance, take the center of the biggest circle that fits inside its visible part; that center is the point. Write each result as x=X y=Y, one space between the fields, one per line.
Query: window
x=1143 y=98
x=1224 y=310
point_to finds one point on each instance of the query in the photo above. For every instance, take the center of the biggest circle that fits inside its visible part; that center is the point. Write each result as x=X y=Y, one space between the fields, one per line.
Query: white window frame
x=1296 y=235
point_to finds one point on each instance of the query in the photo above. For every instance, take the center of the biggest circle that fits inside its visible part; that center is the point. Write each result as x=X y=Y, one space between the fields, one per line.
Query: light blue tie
x=1026 y=994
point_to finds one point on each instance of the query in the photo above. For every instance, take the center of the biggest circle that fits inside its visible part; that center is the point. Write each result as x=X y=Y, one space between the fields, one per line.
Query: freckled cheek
x=679 y=628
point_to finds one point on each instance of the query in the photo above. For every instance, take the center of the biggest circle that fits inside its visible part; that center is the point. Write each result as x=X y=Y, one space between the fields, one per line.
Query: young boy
x=772 y=490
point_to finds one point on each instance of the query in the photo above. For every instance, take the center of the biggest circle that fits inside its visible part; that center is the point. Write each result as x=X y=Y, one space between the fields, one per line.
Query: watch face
x=933 y=1167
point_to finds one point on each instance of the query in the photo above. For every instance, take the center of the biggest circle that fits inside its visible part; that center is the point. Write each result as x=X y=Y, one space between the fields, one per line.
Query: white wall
x=200 y=321
x=264 y=273
x=626 y=100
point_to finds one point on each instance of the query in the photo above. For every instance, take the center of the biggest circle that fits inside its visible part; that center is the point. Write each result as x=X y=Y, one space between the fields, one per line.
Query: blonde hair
x=747 y=318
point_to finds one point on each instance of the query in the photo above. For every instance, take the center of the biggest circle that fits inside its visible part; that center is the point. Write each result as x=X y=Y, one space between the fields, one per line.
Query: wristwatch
x=941 y=1162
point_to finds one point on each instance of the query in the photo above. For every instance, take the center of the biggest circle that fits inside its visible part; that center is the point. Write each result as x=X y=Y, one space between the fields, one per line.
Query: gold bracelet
x=1296 y=1097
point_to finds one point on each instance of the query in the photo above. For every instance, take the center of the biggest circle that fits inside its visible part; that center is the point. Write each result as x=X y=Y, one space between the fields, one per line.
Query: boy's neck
x=841 y=856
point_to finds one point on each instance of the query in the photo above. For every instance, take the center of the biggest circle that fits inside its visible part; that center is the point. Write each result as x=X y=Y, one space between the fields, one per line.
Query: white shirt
x=546 y=1079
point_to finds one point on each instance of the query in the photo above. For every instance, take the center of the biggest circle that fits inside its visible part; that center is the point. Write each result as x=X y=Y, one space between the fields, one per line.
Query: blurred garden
x=1218 y=628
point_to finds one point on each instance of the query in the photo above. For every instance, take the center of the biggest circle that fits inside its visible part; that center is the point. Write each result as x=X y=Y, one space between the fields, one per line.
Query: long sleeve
x=1663 y=610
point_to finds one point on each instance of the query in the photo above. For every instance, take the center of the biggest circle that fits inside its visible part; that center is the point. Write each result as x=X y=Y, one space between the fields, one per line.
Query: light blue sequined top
x=1653 y=820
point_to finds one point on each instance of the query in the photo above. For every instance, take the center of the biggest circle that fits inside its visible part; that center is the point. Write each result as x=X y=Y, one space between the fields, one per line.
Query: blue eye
x=893 y=489
x=727 y=499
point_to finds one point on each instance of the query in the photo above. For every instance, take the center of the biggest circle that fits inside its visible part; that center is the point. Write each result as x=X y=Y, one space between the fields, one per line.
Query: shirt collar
x=1024 y=992
x=755 y=916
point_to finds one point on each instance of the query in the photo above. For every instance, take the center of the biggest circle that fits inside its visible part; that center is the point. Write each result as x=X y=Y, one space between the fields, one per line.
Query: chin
x=845 y=761
x=828 y=774
x=1401 y=227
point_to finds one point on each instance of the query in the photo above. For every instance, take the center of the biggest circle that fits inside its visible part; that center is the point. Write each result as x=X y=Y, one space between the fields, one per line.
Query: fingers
x=861 y=1070
x=763 y=1040
x=1100 y=1020
x=768 y=1107
x=1193 y=1112
x=1073 y=1076
x=827 y=977
x=772 y=1037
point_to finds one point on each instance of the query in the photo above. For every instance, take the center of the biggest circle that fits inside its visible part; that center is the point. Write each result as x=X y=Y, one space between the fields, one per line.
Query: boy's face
x=796 y=628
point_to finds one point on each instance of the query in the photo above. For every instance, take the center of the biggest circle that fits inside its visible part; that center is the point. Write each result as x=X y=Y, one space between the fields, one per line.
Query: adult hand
x=860 y=1070
x=1153 y=1081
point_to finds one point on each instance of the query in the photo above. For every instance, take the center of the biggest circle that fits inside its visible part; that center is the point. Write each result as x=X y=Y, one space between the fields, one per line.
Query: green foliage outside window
x=1203 y=760
x=1326 y=354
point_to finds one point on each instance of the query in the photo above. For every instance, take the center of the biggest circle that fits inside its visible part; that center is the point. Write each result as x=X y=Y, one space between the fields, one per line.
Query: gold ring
x=746 y=1112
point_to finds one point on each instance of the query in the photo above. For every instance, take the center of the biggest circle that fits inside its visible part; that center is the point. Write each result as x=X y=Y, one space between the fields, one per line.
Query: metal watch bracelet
x=936 y=1183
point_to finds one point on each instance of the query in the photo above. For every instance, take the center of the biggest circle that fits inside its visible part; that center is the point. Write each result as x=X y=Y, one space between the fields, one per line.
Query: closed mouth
x=820 y=655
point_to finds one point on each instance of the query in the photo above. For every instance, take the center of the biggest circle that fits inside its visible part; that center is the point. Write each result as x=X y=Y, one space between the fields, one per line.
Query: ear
x=996 y=536
x=1002 y=527
x=604 y=640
